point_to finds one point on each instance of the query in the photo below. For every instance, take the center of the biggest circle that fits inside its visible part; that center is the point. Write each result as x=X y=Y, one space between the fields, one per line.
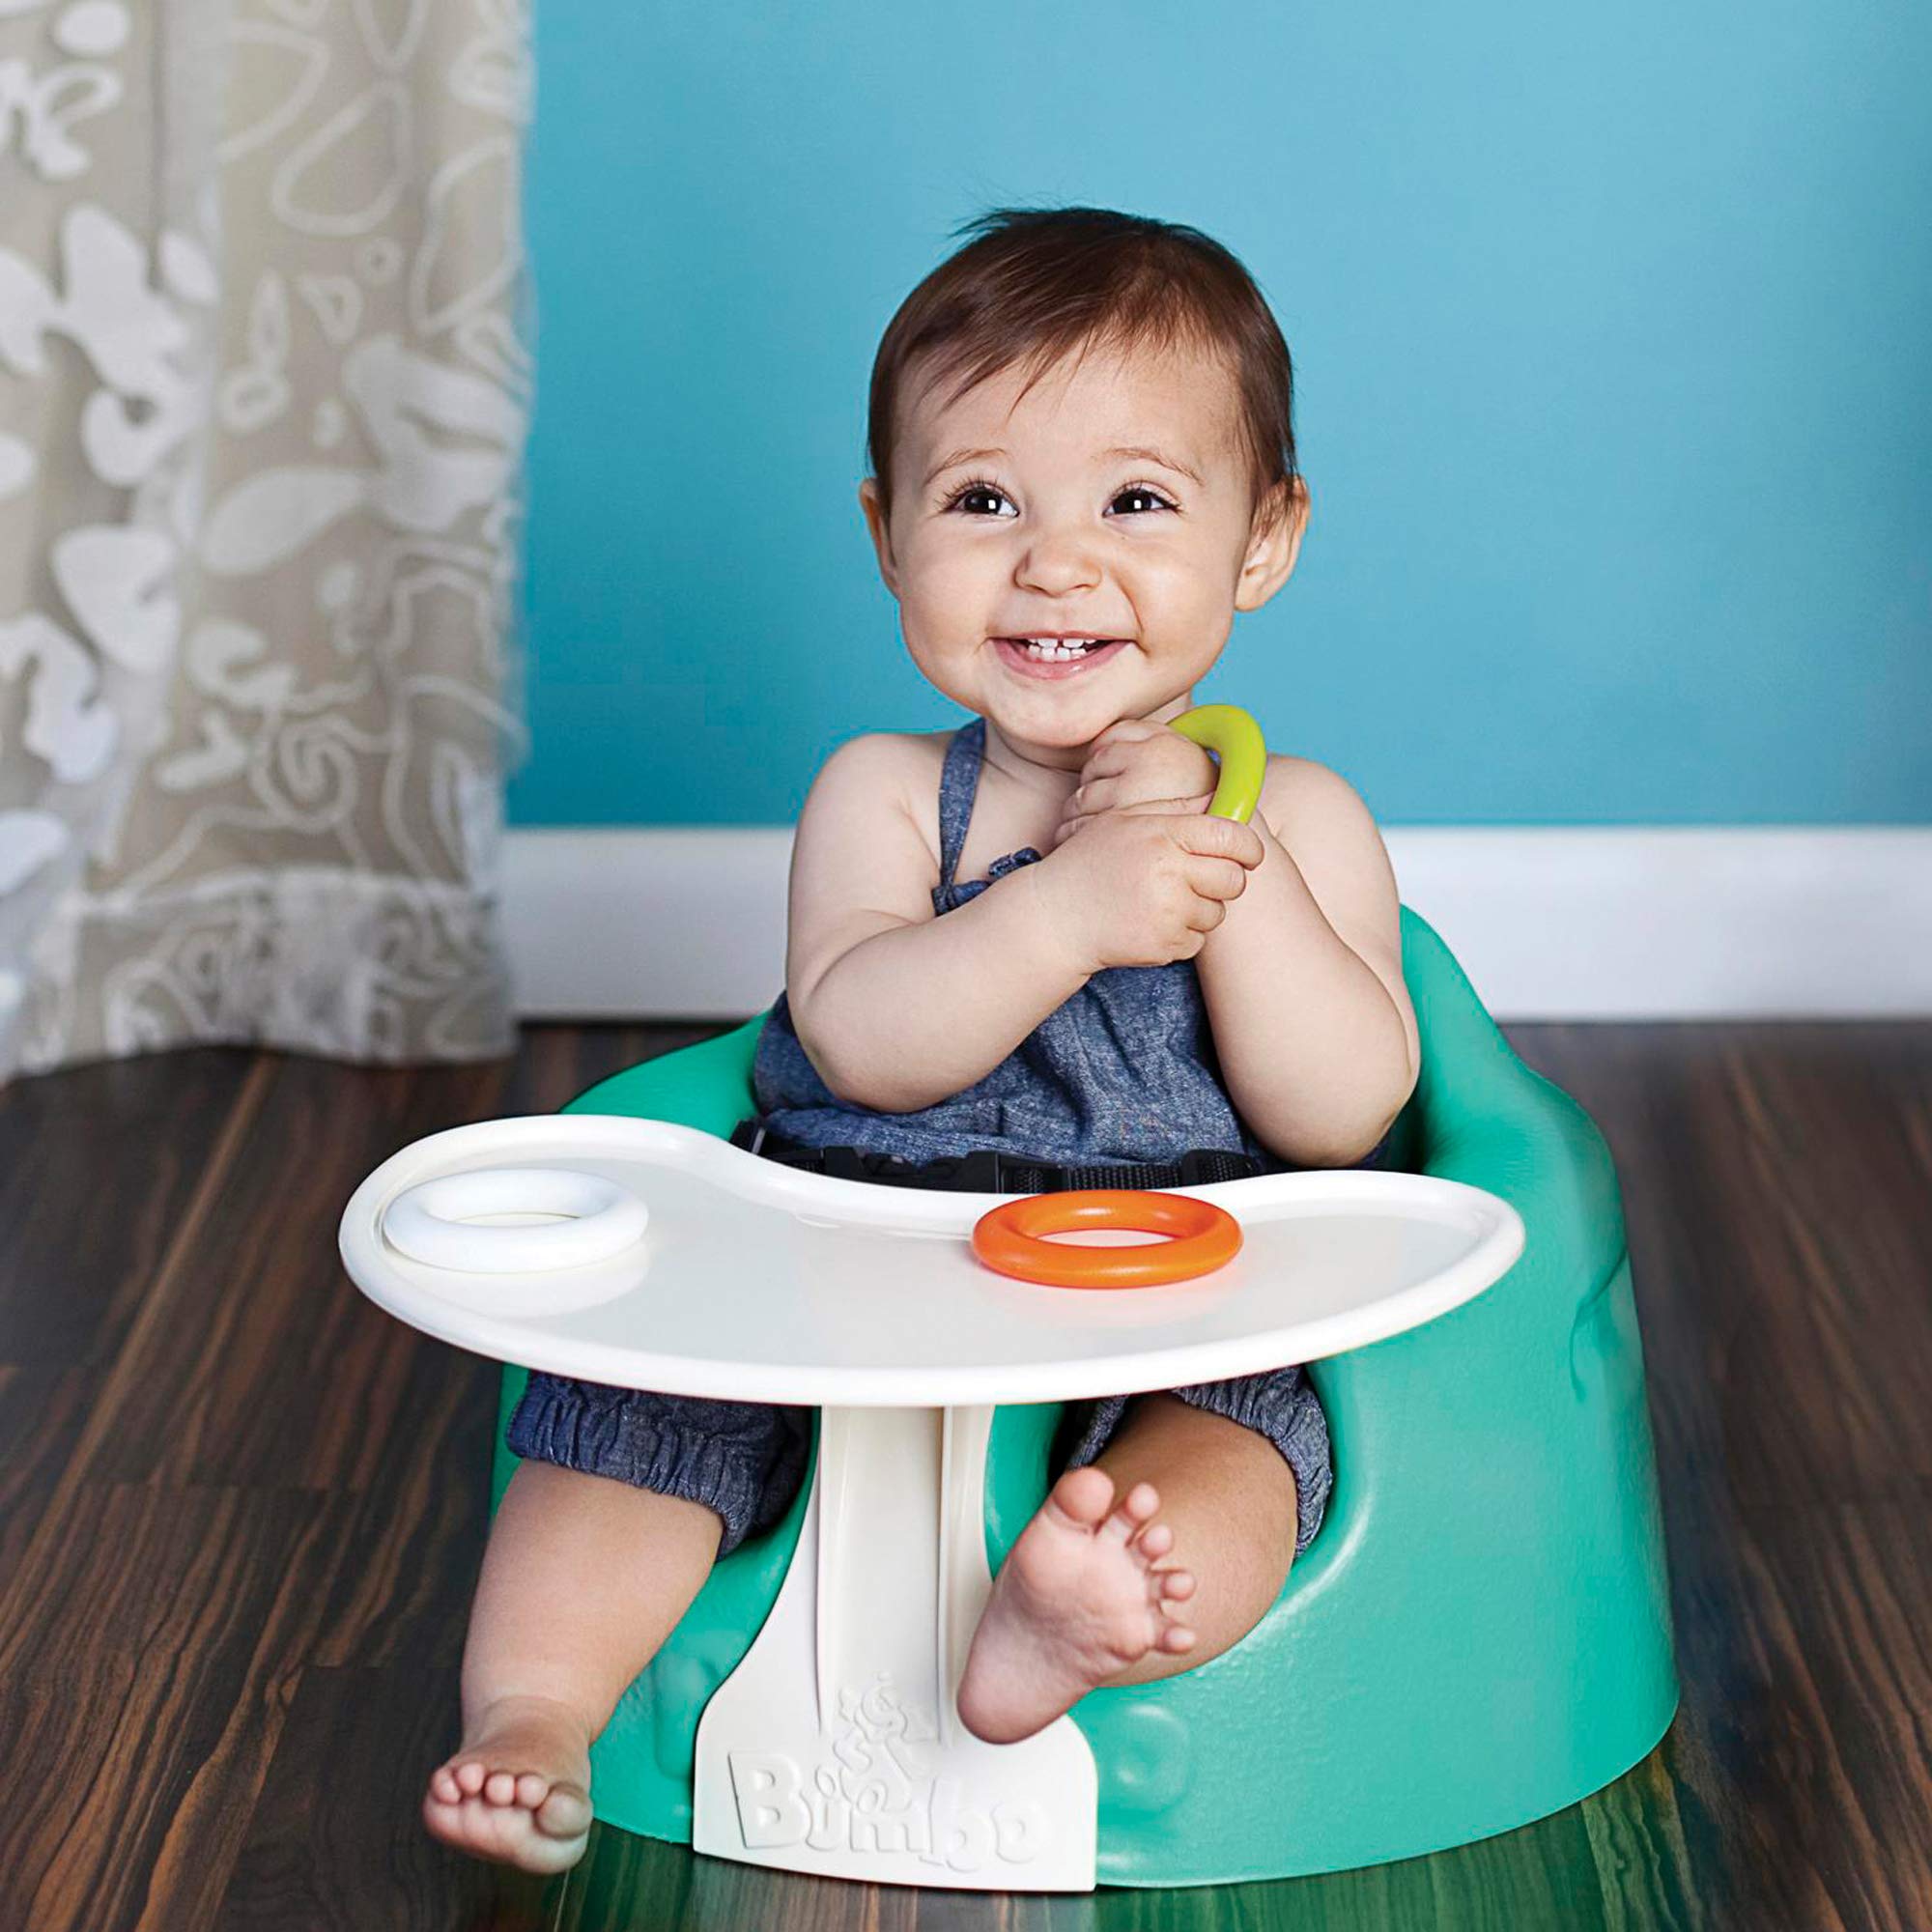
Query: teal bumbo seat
x=1479 y=1635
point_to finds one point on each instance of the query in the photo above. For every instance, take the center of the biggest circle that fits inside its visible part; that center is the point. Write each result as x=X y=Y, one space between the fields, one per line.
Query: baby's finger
x=1217 y=878
x=1214 y=837
x=1127 y=793
x=1172 y=807
x=1103 y=761
x=1127 y=732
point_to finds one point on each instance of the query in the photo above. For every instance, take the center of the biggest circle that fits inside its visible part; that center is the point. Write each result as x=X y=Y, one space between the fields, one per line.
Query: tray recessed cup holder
x=438 y=1222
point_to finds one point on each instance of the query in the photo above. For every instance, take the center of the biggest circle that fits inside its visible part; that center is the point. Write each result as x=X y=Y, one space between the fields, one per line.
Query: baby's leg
x=1089 y=1595
x=606 y=1533
x=584 y=1578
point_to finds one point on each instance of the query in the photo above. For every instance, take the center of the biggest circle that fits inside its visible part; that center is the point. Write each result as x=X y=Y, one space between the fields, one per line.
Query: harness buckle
x=982 y=1171
x=842 y=1163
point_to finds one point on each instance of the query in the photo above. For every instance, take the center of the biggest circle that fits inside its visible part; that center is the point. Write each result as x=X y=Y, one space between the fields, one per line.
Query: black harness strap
x=987 y=1171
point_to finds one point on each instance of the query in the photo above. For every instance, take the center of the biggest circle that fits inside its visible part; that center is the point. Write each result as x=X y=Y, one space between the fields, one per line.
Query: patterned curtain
x=264 y=383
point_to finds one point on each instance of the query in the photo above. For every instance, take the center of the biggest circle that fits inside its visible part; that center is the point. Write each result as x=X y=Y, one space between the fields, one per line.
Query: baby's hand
x=1143 y=885
x=1136 y=762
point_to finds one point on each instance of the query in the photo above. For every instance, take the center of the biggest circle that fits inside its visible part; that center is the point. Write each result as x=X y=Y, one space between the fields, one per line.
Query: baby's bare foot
x=518 y=1789
x=1078 y=1599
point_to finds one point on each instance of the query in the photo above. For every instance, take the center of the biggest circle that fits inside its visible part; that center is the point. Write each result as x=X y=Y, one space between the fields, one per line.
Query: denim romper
x=1123 y=1071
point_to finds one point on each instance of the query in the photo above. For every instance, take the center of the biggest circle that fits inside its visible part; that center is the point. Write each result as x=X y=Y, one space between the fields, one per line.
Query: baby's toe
x=500 y=1787
x=1136 y=1509
x=444 y=1788
x=1175 y=1585
x=459 y=1825
x=565 y=1813
x=532 y=1790
x=1080 y=1499
x=1155 y=1541
x=469 y=1775
x=1175 y=1638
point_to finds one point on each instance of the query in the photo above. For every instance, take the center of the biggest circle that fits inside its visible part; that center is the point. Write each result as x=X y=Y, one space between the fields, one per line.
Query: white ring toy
x=431 y=1222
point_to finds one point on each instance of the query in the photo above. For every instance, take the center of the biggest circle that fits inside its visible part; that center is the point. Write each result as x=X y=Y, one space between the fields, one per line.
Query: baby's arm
x=898 y=1009
x=1303 y=980
x=895 y=1008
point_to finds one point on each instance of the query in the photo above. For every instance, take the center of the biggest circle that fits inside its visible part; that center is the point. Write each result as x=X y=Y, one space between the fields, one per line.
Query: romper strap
x=959 y=785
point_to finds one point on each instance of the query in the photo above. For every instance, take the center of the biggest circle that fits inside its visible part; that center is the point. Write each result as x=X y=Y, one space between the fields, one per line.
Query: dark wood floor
x=241 y=1513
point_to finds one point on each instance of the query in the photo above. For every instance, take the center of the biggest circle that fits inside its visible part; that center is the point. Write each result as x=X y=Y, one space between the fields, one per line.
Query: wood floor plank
x=1778 y=1193
x=1646 y=1876
x=1837 y=1606
x=266 y=1359
x=135 y=1757
x=314 y=1864
x=97 y=1167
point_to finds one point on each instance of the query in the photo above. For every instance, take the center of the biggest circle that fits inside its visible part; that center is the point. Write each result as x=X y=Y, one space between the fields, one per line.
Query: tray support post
x=834 y=1747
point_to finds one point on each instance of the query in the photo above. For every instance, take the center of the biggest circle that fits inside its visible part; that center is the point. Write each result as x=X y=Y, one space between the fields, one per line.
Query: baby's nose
x=1060 y=560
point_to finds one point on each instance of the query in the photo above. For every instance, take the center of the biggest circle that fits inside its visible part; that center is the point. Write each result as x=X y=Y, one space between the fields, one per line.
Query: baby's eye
x=1141 y=490
x=974 y=489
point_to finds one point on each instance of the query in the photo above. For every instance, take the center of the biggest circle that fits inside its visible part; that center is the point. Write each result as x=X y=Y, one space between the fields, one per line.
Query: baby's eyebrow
x=1140 y=452
x=959 y=456
x=1143 y=455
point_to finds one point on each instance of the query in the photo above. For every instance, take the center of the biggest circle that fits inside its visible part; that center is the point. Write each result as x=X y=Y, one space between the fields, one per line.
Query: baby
x=1083 y=466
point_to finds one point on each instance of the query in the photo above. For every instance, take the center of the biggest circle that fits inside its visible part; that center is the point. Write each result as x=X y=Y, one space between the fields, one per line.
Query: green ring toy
x=1235 y=740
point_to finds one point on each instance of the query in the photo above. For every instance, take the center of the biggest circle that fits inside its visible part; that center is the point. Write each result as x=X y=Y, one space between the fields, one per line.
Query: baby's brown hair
x=1035 y=284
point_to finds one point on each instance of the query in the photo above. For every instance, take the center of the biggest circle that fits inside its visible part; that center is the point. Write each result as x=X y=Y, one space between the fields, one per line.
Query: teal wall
x=1613 y=332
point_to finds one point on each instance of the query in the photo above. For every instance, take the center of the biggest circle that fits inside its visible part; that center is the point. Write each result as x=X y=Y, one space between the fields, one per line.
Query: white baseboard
x=1549 y=922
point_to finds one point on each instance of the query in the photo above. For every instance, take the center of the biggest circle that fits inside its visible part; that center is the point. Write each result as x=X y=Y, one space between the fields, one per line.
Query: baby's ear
x=873 y=510
x=1273 y=544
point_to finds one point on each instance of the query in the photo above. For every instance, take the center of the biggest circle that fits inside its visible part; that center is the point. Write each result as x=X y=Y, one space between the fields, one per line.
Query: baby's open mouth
x=1031 y=652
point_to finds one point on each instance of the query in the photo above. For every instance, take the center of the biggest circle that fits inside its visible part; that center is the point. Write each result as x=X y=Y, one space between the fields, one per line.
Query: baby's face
x=1013 y=518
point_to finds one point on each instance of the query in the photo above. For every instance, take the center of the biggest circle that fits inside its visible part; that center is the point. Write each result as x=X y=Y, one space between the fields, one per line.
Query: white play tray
x=755 y=1281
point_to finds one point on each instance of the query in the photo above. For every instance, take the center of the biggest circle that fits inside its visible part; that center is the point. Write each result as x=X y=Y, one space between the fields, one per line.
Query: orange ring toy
x=1203 y=1238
